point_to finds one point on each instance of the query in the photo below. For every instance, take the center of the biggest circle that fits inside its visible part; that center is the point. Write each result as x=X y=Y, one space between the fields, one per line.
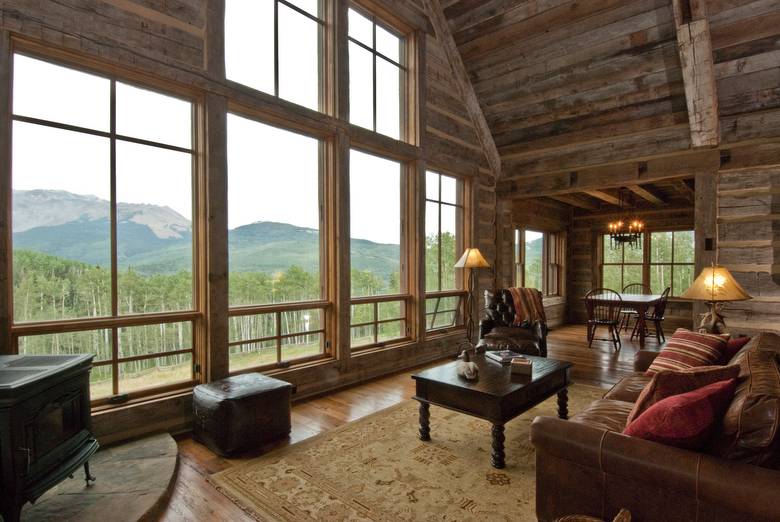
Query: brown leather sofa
x=587 y=466
x=497 y=332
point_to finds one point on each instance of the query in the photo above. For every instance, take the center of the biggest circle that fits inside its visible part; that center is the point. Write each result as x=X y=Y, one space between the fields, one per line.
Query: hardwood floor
x=193 y=498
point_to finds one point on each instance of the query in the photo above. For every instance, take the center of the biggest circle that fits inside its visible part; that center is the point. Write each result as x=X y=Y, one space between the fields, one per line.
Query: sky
x=272 y=173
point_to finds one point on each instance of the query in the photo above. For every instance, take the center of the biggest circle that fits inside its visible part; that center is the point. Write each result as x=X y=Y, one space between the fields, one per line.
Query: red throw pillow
x=685 y=420
x=668 y=382
x=733 y=346
x=688 y=349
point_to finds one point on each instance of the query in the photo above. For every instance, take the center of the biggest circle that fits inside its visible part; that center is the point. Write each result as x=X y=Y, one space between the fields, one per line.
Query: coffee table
x=496 y=395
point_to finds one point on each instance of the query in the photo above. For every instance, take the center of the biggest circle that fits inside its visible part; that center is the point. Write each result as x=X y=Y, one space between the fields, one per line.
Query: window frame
x=553 y=260
x=117 y=321
x=325 y=302
x=460 y=240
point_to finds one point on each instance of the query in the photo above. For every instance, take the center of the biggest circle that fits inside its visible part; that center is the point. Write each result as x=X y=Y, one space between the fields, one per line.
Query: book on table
x=502 y=356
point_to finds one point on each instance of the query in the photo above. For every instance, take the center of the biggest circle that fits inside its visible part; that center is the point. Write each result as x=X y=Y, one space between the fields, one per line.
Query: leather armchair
x=497 y=332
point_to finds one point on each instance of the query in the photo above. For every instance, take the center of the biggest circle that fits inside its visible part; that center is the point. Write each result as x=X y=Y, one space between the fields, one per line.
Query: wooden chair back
x=637 y=288
x=603 y=305
x=660 y=309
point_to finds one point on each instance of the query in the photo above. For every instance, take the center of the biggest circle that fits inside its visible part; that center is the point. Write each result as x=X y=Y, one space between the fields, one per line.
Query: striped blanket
x=528 y=305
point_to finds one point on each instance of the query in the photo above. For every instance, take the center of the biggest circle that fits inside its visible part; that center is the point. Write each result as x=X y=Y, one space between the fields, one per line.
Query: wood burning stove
x=44 y=425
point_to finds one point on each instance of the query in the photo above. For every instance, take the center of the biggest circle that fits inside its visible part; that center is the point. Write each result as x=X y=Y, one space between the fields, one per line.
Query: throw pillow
x=685 y=420
x=669 y=382
x=733 y=346
x=688 y=349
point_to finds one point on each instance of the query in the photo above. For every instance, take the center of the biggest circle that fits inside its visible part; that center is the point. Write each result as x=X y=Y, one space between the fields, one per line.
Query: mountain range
x=156 y=239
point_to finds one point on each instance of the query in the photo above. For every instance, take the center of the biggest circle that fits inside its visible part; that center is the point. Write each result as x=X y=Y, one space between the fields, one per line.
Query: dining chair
x=626 y=314
x=655 y=316
x=603 y=306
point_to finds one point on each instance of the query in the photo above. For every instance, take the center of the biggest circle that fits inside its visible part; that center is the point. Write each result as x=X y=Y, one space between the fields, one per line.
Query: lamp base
x=713 y=322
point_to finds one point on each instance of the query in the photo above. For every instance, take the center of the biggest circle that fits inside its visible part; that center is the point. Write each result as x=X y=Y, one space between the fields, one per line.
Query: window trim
x=115 y=321
x=518 y=256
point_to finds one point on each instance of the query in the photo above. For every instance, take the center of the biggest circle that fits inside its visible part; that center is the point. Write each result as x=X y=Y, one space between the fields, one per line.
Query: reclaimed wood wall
x=181 y=41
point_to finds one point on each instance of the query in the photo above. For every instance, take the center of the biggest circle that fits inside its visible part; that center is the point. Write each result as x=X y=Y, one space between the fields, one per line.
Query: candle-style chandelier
x=625 y=231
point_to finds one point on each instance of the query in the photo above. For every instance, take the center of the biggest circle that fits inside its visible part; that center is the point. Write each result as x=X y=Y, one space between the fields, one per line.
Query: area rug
x=376 y=469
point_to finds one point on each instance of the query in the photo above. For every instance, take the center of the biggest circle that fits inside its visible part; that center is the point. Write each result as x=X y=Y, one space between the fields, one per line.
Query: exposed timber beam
x=576 y=200
x=647 y=193
x=604 y=196
x=685 y=189
x=694 y=45
x=444 y=35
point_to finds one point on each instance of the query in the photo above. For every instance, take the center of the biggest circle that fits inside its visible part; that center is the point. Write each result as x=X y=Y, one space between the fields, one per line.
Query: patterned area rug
x=376 y=469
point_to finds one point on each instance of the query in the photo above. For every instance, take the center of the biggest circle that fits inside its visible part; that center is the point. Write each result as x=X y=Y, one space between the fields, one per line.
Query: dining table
x=640 y=303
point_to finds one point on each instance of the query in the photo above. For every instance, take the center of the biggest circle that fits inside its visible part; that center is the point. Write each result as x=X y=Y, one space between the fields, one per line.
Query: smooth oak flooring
x=194 y=499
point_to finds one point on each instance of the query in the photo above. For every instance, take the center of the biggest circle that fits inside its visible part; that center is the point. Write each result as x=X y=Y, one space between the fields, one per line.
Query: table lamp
x=473 y=260
x=716 y=286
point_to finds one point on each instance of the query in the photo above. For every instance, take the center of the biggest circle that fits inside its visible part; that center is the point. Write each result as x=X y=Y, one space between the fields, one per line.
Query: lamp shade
x=472 y=258
x=715 y=283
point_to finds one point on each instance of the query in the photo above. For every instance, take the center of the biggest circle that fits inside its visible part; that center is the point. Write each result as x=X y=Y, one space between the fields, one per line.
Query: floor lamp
x=473 y=260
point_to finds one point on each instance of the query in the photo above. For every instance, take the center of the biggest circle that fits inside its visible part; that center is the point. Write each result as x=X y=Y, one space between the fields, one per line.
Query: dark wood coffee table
x=496 y=395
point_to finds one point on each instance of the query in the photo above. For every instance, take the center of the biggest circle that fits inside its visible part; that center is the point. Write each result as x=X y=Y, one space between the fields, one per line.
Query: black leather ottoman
x=242 y=412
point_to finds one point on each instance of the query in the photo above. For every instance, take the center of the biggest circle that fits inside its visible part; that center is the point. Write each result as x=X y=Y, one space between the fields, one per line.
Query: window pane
x=302 y=346
x=362 y=313
x=612 y=255
x=533 y=259
x=432 y=246
x=390 y=310
x=273 y=214
x=150 y=373
x=251 y=355
x=432 y=185
x=299 y=72
x=388 y=99
x=388 y=44
x=95 y=342
x=301 y=321
x=151 y=116
x=361 y=28
x=390 y=331
x=612 y=278
x=442 y=320
x=660 y=278
x=361 y=336
x=310 y=6
x=51 y=92
x=101 y=383
x=449 y=190
x=633 y=255
x=661 y=247
x=61 y=224
x=449 y=247
x=631 y=274
x=248 y=327
x=154 y=229
x=375 y=224
x=154 y=338
x=361 y=86
x=683 y=278
x=249 y=43
x=684 y=247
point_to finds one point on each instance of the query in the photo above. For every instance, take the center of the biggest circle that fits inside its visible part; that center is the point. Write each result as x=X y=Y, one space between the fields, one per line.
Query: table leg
x=563 y=404
x=640 y=320
x=425 y=421
x=497 y=457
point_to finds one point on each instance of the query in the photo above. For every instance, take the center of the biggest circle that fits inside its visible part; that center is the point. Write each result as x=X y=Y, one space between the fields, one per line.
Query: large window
x=443 y=246
x=376 y=75
x=667 y=260
x=277 y=280
x=377 y=239
x=275 y=46
x=539 y=260
x=102 y=176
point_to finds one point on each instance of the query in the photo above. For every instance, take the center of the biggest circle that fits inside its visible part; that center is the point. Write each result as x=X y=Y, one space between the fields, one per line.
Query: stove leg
x=87 y=475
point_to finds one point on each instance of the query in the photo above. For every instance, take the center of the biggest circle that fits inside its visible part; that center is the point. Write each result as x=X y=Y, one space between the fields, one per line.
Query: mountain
x=154 y=239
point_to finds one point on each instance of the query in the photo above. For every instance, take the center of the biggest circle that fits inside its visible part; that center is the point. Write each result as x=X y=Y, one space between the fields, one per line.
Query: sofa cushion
x=687 y=349
x=685 y=420
x=605 y=414
x=733 y=346
x=752 y=422
x=668 y=382
x=628 y=389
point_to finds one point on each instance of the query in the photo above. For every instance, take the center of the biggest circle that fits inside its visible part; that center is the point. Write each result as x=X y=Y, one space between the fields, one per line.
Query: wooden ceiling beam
x=443 y=33
x=647 y=193
x=604 y=196
x=576 y=200
x=685 y=189
x=694 y=45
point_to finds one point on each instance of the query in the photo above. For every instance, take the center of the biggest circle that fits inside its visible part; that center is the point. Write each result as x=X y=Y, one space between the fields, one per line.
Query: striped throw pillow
x=687 y=349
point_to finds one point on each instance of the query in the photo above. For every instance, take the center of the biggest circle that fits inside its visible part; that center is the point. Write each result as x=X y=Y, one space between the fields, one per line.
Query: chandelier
x=625 y=231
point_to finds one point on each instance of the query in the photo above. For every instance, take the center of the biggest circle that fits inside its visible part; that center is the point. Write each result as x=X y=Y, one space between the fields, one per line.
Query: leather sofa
x=587 y=466
x=496 y=330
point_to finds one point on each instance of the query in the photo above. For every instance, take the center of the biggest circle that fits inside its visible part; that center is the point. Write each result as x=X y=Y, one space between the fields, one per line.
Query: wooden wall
x=181 y=41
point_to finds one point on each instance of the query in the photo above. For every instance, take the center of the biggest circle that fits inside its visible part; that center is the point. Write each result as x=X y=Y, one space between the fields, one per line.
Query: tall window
x=277 y=280
x=275 y=46
x=666 y=261
x=443 y=245
x=377 y=238
x=102 y=175
x=539 y=260
x=376 y=75
x=671 y=261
